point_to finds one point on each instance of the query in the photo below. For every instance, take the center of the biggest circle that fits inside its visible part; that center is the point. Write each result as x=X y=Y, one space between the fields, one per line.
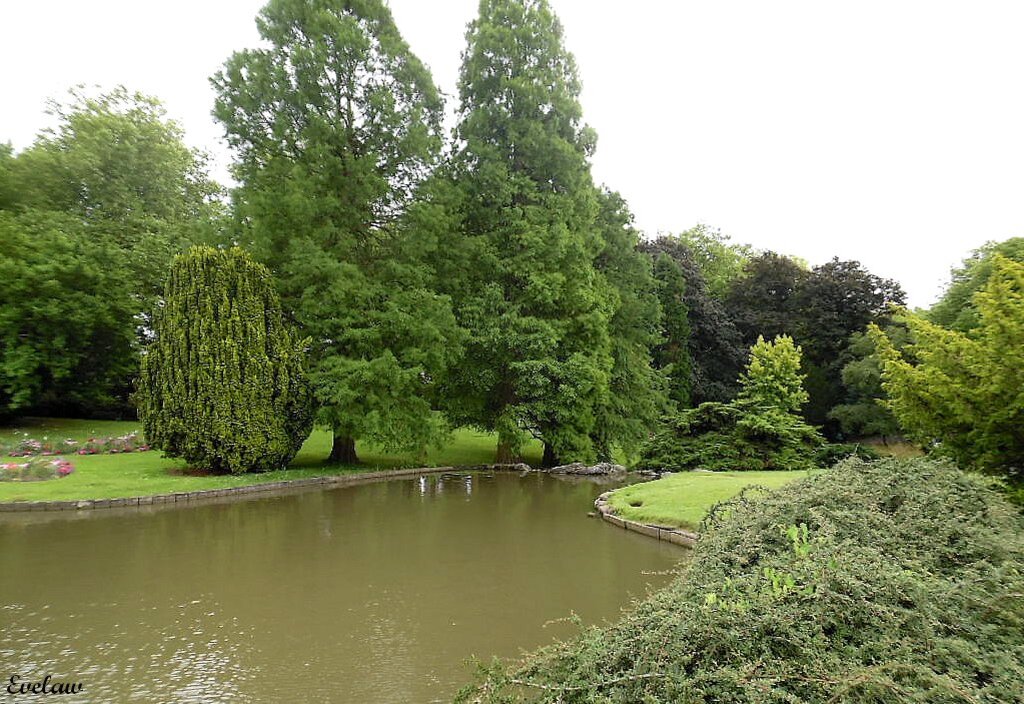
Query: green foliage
x=956 y=309
x=636 y=392
x=539 y=358
x=721 y=262
x=117 y=162
x=672 y=354
x=115 y=159
x=863 y=412
x=773 y=376
x=820 y=308
x=760 y=430
x=223 y=384
x=737 y=436
x=966 y=393
x=763 y=301
x=831 y=453
x=336 y=123
x=66 y=316
x=108 y=194
x=713 y=351
x=837 y=299
x=872 y=582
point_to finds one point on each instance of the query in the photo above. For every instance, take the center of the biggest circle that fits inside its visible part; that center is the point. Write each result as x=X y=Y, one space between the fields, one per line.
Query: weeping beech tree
x=223 y=385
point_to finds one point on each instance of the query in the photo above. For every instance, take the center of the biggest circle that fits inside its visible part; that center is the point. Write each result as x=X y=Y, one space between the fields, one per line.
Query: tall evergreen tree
x=335 y=124
x=539 y=357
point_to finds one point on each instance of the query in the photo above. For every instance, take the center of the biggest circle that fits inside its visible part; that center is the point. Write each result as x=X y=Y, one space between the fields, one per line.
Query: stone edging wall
x=672 y=535
x=266 y=487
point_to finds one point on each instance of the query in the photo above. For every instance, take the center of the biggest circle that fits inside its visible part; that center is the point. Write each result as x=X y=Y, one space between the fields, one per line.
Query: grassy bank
x=146 y=473
x=681 y=500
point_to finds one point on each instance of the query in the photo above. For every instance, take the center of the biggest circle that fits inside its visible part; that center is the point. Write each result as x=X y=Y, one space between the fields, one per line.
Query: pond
x=372 y=593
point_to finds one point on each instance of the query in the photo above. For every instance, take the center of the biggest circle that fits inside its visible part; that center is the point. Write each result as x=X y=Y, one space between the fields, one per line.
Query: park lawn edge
x=681 y=500
x=144 y=474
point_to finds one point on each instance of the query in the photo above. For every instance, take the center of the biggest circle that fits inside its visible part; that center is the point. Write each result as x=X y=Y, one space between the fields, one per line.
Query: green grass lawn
x=681 y=500
x=145 y=473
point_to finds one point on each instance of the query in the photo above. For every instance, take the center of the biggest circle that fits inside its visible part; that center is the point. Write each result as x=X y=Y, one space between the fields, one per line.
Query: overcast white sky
x=886 y=131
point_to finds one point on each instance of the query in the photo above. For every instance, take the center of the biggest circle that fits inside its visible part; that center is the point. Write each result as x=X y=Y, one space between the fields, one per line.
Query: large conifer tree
x=335 y=124
x=539 y=357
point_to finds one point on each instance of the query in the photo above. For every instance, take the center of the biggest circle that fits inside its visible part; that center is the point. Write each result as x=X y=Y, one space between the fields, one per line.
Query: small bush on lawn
x=891 y=581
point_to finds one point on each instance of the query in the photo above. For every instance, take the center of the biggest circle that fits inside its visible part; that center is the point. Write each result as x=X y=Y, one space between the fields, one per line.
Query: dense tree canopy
x=834 y=301
x=763 y=300
x=863 y=412
x=721 y=262
x=93 y=212
x=115 y=159
x=539 y=357
x=636 y=395
x=67 y=322
x=695 y=322
x=761 y=429
x=336 y=123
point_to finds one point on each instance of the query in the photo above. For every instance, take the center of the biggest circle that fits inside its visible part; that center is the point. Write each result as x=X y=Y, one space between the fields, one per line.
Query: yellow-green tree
x=773 y=377
x=966 y=394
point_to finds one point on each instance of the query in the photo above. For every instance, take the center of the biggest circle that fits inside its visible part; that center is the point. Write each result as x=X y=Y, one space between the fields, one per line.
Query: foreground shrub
x=223 y=385
x=874 y=582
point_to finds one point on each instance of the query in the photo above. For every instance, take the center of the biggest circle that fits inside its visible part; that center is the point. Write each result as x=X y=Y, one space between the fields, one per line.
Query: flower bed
x=133 y=442
x=35 y=469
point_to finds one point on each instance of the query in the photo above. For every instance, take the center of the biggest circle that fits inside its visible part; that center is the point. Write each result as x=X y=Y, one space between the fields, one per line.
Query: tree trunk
x=343 y=451
x=504 y=454
x=550 y=459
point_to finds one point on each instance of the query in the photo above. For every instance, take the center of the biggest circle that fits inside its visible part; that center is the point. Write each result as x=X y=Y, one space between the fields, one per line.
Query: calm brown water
x=373 y=593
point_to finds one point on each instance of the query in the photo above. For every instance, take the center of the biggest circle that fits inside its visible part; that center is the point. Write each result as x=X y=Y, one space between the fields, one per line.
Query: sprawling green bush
x=223 y=385
x=874 y=582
